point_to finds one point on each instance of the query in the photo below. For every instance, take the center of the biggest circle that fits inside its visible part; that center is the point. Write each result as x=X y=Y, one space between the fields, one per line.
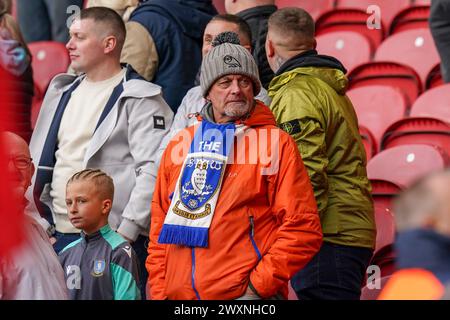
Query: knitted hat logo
x=232 y=62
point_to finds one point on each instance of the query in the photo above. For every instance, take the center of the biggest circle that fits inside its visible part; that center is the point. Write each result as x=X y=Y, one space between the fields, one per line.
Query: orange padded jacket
x=265 y=227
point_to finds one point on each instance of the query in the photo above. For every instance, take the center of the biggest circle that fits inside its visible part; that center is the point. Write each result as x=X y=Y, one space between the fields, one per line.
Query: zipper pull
x=252 y=226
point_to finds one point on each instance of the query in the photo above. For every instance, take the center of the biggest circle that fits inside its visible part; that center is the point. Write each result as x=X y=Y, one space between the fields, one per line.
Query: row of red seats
x=331 y=14
x=388 y=9
x=413 y=48
x=362 y=22
x=342 y=25
x=386 y=119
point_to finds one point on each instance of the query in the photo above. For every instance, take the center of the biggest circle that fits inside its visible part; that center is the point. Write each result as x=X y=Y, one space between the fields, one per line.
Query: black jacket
x=177 y=29
x=257 y=18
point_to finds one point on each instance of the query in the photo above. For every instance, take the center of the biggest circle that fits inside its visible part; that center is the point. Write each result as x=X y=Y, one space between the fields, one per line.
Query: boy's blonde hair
x=103 y=183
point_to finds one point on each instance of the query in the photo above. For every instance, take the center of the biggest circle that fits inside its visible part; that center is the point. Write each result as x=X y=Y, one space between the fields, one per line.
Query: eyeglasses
x=21 y=162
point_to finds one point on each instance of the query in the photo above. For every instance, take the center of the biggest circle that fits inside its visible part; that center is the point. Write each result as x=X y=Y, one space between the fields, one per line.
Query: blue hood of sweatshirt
x=190 y=15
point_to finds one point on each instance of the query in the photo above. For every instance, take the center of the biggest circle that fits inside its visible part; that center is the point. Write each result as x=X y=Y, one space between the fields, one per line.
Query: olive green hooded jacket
x=309 y=102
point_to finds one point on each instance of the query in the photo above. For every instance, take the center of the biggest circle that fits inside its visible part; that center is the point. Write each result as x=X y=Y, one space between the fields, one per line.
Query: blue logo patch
x=99 y=267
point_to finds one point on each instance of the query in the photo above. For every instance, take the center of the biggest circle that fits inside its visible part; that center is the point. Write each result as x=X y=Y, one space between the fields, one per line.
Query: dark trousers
x=335 y=273
x=42 y=20
x=140 y=247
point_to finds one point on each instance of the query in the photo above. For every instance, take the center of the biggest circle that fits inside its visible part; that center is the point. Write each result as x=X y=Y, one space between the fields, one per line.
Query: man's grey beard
x=238 y=112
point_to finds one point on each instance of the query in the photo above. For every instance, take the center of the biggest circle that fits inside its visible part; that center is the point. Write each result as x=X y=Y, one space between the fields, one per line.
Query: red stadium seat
x=36 y=105
x=220 y=6
x=349 y=20
x=388 y=8
x=49 y=59
x=421 y=130
x=403 y=164
x=384 y=256
x=342 y=44
x=434 y=78
x=377 y=107
x=315 y=8
x=385 y=223
x=369 y=293
x=385 y=260
x=370 y=145
x=387 y=73
x=414 y=48
x=383 y=192
x=434 y=103
x=410 y=18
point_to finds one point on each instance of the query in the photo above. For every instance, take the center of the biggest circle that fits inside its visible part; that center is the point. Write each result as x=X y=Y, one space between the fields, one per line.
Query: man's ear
x=107 y=204
x=270 y=48
x=110 y=44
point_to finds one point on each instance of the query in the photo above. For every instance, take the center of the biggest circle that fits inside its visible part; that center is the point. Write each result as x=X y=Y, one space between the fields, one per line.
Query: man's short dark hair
x=243 y=26
x=293 y=22
x=110 y=18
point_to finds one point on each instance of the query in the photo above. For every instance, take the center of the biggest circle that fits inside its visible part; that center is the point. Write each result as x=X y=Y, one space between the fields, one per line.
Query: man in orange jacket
x=233 y=214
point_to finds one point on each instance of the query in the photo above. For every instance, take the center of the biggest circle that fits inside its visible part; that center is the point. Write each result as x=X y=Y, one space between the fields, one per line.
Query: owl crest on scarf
x=198 y=178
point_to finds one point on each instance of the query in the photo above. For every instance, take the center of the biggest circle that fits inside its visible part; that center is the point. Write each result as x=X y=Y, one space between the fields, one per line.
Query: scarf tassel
x=183 y=235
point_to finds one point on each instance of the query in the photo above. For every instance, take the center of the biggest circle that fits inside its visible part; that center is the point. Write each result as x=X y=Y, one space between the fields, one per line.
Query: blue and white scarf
x=198 y=186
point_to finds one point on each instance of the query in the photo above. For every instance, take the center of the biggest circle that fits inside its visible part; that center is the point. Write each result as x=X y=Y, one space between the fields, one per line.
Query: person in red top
x=233 y=213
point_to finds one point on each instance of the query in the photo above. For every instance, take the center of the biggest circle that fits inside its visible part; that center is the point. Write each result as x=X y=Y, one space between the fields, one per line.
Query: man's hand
x=128 y=239
x=249 y=295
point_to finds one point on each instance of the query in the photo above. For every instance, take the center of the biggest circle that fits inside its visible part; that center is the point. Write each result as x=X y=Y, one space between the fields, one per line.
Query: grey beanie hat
x=228 y=57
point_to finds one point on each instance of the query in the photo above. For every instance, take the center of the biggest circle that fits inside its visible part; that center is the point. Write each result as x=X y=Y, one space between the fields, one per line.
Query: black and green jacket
x=101 y=266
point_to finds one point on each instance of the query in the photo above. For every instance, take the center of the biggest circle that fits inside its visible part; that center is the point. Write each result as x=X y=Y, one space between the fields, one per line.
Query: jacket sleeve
x=309 y=133
x=299 y=235
x=139 y=50
x=155 y=262
x=125 y=273
x=144 y=140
